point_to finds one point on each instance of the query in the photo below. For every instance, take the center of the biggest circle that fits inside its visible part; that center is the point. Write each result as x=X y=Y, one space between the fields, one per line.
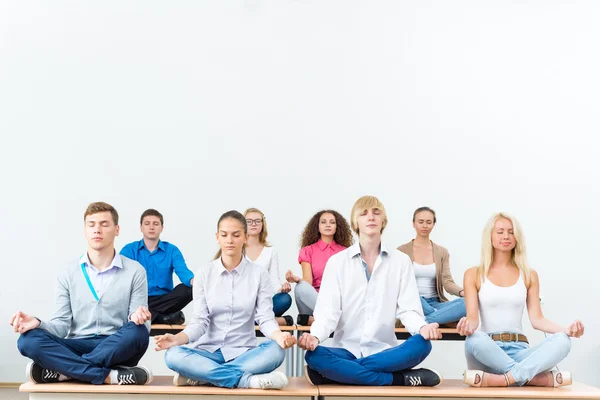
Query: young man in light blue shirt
x=160 y=259
x=99 y=330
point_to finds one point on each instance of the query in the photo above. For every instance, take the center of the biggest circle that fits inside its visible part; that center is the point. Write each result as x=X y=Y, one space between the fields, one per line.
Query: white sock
x=253 y=382
x=113 y=377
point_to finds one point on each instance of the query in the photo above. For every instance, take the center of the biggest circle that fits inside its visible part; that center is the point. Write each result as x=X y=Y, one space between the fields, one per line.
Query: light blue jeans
x=211 y=368
x=516 y=357
x=442 y=313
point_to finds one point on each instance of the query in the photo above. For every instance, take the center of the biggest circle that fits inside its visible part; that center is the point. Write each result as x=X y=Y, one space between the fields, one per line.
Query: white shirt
x=226 y=304
x=269 y=260
x=363 y=313
x=101 y=280
x=501 y=308
x=426 y=280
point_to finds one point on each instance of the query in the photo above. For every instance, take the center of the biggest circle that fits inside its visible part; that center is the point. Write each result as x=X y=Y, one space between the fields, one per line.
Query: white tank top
x=425 y=275
x=501 y=308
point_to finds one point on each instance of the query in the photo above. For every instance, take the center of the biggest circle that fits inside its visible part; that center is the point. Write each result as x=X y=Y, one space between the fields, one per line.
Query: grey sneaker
x=133 y=375
x=37 y=374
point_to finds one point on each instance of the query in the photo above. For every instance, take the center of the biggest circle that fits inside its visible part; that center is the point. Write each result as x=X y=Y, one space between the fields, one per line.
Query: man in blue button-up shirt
x=160 y=259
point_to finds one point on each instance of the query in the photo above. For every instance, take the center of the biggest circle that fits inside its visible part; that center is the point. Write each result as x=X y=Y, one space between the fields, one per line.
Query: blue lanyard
x=87 y=278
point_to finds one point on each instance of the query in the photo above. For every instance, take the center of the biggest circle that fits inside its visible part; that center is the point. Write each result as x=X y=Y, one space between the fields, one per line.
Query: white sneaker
x=272 y=380
x=180 y=380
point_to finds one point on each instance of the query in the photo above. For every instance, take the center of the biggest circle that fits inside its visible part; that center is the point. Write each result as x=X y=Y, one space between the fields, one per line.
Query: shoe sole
x=307 y=376
x=28 y=373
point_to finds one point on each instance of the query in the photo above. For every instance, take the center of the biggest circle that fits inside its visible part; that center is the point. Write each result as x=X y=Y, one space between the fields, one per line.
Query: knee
x=563 y=341
x=424 y=345
x=173 y=357
x=311 y=355
x=474 y=340
x=137 y=334
x=283 y=301
x=275 y=352
x=28 y=343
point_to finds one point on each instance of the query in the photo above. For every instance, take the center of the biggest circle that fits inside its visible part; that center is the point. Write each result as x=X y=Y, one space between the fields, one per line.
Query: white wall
x=195 y=108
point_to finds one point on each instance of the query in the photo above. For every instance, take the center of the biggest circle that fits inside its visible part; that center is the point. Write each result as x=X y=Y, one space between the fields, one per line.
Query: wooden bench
x=159 y=329
x=401 y=334
x=161 y=388
x=455 y=388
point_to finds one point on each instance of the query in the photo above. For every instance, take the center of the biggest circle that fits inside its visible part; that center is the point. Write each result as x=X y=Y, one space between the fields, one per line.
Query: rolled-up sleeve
x=199 y=323
x=264 y=307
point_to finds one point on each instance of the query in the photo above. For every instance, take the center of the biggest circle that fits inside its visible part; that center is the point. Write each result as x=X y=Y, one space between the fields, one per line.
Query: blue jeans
x=87 y=360
x=281 y=303
x=211 y=368
x=342 y=366
x=442 y=313
x=517 y=358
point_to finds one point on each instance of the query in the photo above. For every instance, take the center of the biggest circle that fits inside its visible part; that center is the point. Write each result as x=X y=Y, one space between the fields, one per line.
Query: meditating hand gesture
x=308 y=342
x=465 y=327
x=141 y=315
x=575 y=329
x=284 y=339
x=431 y=331
x=22 y=322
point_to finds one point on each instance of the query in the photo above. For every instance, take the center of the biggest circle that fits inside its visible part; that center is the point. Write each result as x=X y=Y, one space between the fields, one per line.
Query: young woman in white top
x=432 y=269
x=259 y=251
x=498 y=354
x=219 y=346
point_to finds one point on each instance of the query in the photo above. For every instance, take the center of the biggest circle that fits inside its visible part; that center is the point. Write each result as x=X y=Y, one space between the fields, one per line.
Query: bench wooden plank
x=455 y=388
x=298 y=387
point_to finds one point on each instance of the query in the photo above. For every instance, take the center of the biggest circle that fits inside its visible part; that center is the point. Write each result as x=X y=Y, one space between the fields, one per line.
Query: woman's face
x=503 y=236
x=424 y=223
x=327 y=224
x=231 y=237
x=255 y=223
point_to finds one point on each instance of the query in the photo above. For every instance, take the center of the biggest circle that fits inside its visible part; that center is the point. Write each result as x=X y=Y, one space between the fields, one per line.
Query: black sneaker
x=315 y=378
x=303 y=319
x=421 y=377
x=133 y=375
x=37 y=374
x=176 y=318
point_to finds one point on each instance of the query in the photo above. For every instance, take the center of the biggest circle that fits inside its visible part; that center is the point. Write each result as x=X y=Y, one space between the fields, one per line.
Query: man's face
x=370 y=221
x=100 y=230
x=151 y=227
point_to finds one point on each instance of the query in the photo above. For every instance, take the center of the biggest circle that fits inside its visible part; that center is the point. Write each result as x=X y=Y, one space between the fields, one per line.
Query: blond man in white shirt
x=364 y=289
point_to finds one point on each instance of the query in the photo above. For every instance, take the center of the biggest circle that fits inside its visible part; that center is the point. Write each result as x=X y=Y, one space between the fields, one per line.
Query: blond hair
x=262 y=236
x=363 y=204
x=519 y=253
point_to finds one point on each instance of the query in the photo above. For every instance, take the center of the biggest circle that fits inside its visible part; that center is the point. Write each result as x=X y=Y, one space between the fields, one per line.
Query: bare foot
x=311 y=319
x=281 y=321
x=541 y=379
x=495 y=380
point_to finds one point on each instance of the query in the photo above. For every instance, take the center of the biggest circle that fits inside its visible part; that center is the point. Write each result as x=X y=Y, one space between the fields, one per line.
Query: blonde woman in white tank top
x=498 y=354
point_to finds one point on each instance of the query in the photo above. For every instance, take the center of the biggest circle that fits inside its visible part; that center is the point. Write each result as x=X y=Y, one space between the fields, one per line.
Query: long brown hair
x=342 y=236
x=262 y=236
x=238 y=217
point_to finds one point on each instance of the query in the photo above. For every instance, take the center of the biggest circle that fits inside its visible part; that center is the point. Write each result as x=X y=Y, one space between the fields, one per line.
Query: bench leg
x=299 y=361
x=289 y=361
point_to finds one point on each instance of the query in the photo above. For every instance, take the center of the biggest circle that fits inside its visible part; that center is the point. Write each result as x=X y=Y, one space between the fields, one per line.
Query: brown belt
x=509 y=337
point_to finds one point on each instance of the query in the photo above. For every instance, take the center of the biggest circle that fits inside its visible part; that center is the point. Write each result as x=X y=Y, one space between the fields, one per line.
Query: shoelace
x=414 y=380
x=49 y=374
x=126 y=379
x=266 y=383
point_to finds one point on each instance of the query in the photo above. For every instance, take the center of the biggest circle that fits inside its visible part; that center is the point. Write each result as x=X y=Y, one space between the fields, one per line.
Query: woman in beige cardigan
x=432 y=270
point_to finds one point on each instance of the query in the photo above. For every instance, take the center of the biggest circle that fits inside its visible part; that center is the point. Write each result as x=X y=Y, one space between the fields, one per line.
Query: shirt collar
x=323 y=245
x=161 y=245
x=239 y=269
x=116 y=262
x=354 y=250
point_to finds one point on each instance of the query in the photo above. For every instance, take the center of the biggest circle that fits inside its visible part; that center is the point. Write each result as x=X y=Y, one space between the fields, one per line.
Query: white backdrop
x=195 y=108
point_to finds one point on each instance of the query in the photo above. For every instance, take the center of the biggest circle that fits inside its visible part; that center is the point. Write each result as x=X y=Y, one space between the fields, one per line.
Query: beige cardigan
x=443 y=277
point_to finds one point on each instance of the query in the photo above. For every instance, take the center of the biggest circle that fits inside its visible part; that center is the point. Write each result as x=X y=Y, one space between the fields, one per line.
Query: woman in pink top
x=326 y=234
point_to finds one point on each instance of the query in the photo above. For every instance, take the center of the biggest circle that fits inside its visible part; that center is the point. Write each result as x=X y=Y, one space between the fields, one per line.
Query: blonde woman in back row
x=498 y=354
